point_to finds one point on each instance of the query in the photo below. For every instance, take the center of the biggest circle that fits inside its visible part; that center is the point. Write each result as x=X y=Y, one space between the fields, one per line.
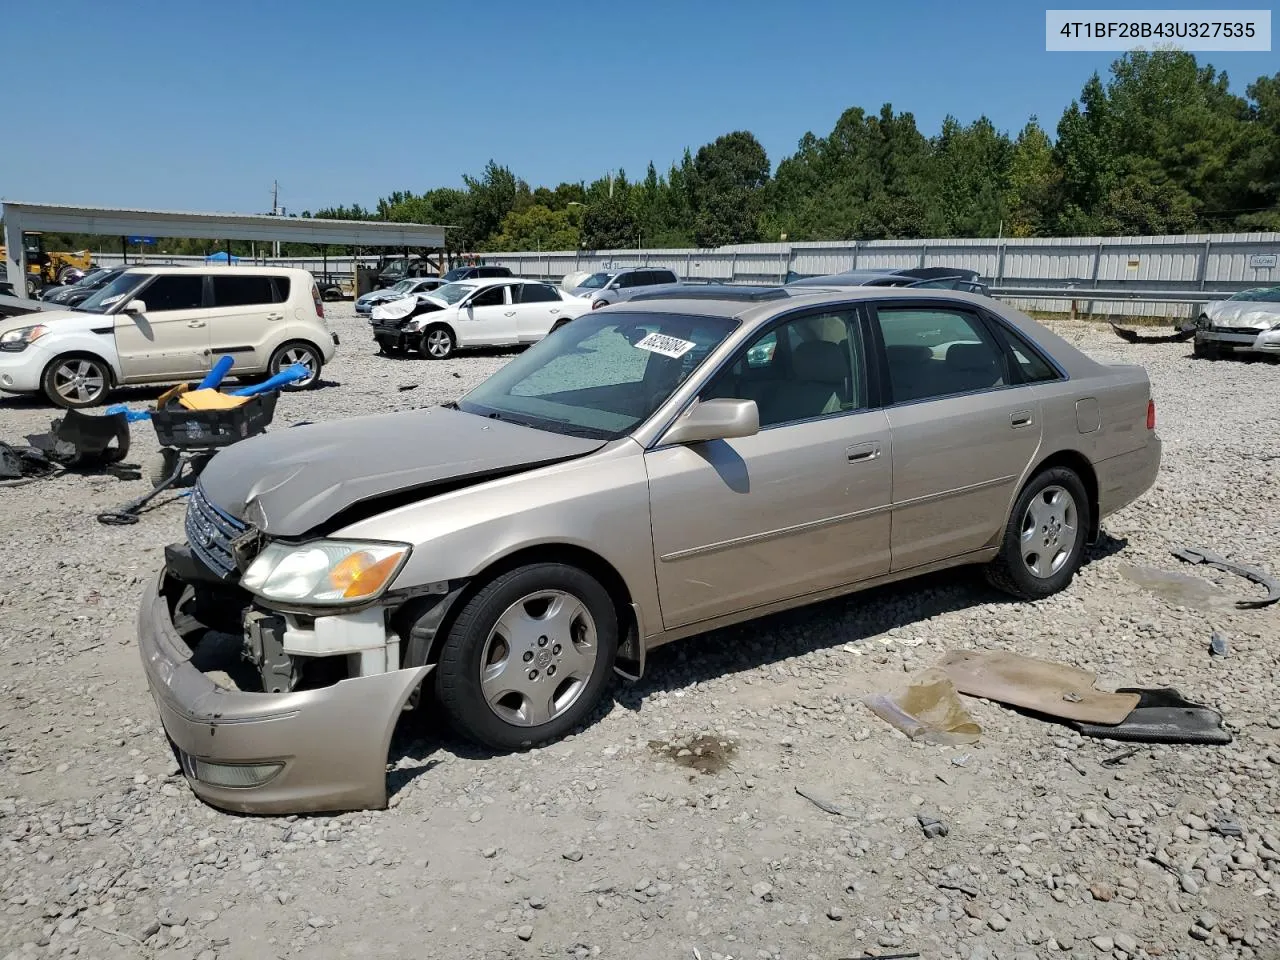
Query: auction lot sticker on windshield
x=672 y=347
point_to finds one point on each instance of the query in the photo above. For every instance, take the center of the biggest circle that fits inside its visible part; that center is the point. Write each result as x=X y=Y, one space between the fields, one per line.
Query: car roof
x=493 y=281
x=750 y=302
x=860 y=277
x=231 y=271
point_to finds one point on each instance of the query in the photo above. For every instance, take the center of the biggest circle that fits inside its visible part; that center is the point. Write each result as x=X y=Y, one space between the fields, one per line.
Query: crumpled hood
x=1244 y=313
x=290 y=480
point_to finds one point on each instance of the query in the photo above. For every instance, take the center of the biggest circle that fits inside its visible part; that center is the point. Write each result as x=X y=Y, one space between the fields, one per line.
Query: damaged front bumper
x=303 y=751
x=1252 y=341
x=393 y=335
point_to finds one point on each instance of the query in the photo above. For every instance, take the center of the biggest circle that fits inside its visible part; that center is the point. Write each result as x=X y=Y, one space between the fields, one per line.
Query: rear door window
x=244 y=291
x=536 y=293
x=183 y=291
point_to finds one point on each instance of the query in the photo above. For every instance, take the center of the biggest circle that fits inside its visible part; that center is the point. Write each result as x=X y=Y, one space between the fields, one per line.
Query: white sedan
x=485 y=312
x=1249 y=321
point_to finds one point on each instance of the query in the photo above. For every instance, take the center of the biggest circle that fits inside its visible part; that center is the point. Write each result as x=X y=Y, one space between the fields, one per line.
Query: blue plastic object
x=217 y=374
x=285 y=377
x=132 y=416
x=282 y=379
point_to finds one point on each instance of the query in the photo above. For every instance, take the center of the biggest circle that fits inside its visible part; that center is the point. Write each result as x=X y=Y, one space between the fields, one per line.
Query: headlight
x=328 y=572
x=16 y=340
x=412 y=326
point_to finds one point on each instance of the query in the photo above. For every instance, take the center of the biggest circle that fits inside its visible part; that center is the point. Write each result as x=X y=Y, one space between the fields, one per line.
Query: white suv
x=168 y=324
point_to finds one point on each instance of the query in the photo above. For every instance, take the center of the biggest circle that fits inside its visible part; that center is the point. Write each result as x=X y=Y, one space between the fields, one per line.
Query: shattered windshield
x=600 y=376
x=1266 y=294
x=451 y=293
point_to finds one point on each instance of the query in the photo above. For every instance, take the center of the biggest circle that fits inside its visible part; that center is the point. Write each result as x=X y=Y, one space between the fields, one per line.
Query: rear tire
x=298 y=352
x=528 y=657
x=1045 y=537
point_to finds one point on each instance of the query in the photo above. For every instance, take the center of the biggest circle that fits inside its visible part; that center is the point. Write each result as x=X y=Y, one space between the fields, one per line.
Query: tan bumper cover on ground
x=332 y=741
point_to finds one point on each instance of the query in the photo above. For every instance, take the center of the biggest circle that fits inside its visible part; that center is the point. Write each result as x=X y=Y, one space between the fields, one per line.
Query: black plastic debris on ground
x=81 y=440
x=1252 y=574
x=1162 y=715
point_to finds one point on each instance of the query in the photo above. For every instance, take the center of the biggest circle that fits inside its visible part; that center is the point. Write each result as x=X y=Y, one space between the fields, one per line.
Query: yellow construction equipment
x=44 y=268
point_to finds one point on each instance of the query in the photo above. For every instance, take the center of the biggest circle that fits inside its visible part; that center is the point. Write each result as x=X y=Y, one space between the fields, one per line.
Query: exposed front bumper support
x=332 y=741
x=1265 y=341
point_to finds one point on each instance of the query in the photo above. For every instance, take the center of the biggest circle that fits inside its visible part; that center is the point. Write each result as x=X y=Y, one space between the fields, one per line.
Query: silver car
x=610 y=286
x=1248 y=321
x=641 y=475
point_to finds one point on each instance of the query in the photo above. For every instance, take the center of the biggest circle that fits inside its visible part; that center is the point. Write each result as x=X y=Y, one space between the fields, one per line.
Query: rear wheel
x=1045 y=537
x=438 y=342
x=76 y=380
x=300 y=353
x=528 y=657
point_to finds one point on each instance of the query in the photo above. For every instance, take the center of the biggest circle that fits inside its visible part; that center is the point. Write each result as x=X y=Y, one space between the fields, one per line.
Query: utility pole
x=275 y=212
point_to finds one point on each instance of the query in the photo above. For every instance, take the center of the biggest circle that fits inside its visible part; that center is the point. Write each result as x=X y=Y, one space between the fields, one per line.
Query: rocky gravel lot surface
x=670 y=826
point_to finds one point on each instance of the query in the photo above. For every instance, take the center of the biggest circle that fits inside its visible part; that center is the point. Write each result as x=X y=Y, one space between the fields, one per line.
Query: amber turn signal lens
x=362 y=574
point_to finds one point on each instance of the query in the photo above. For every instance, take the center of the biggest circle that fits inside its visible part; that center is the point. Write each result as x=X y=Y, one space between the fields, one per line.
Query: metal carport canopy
x=61 y=218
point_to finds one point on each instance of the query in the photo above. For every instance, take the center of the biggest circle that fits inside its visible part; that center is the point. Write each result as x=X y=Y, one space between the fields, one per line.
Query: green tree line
x=1160 y=146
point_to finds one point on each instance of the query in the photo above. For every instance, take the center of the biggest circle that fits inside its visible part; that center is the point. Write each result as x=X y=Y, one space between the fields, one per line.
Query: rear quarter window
x=243 y=291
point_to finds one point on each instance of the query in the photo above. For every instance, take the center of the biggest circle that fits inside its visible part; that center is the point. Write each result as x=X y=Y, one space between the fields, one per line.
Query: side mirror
x=135 y=306
x=720 y=419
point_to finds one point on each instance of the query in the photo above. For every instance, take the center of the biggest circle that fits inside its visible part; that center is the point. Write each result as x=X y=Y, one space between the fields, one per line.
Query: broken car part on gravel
x=1132 y=336
x=1054 y=689
x=1200 y=555
x=1162 y=716
x=1067 y=693
x=929 y=710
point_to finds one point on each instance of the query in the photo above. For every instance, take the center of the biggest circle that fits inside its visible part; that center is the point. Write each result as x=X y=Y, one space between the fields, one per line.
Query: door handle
x=555 y=309
x=275 y=316
x=1020 y=418
x=862 y=452
x=193 y=324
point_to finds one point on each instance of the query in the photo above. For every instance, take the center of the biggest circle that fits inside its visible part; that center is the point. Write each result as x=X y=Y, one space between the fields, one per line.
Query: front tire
x=76 y=380
x=1045 y=538
x=298 y=352
x=438 y=342
x=528 y=657
x=1205 y=350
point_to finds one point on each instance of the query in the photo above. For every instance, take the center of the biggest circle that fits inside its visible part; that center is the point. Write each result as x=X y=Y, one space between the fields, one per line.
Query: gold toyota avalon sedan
x=689 y=458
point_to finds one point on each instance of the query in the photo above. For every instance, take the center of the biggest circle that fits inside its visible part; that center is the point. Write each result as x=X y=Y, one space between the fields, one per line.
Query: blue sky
x=198 y=106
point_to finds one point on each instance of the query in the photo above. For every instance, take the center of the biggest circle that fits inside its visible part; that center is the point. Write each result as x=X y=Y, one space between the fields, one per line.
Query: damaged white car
x=1248 y=321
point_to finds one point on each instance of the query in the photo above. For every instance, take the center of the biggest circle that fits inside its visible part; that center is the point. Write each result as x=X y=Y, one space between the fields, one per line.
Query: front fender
x=598 y=503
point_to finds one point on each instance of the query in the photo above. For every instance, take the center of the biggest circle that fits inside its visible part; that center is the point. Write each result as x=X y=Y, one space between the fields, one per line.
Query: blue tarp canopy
x=221 y=257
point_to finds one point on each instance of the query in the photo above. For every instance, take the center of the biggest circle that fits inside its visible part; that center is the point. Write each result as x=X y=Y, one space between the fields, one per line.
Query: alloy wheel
x=1050 y=529
x=538 y=658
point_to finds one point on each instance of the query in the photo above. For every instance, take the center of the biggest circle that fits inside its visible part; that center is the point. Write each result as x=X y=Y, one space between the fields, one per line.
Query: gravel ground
x=616 y=842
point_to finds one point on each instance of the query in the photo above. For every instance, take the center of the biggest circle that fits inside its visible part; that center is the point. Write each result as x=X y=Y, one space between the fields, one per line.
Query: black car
x=939 y=278
x=473 y=273
x=77 y=293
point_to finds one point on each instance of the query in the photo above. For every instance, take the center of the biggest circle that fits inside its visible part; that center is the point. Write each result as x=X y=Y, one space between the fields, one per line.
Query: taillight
x=315 y=295
x=1151 y=414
